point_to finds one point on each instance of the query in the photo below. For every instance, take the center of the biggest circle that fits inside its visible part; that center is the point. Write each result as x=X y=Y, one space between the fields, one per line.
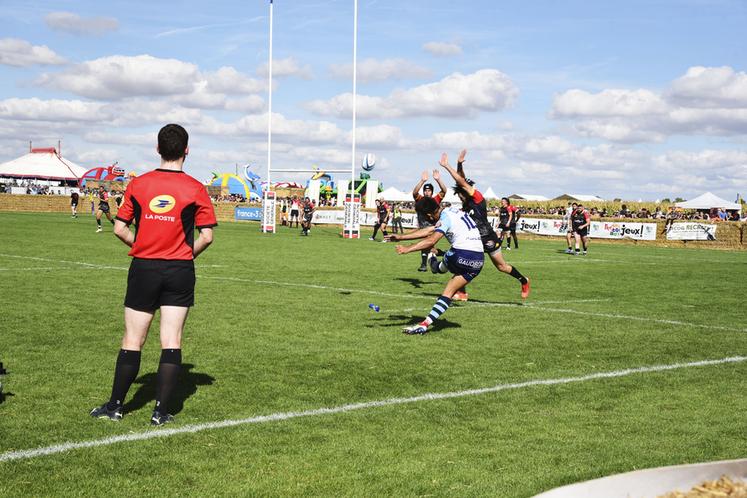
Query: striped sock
x=442 y=304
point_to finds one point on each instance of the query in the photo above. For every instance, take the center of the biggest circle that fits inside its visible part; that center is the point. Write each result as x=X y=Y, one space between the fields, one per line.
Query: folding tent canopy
x=709 y=201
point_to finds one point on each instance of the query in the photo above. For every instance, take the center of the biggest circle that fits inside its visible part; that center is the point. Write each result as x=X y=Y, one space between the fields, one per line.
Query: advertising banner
x=691 y=231
x=622 y=230
x=351 y=227
x=542 y=226
x=268 y=216
x=247 y=213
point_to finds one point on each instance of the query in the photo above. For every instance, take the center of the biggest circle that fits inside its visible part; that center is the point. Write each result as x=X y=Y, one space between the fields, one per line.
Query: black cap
x=428 y=186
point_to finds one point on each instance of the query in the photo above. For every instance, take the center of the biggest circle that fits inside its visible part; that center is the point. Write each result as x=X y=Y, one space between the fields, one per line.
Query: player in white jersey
x=569 y=231
x=464 y=260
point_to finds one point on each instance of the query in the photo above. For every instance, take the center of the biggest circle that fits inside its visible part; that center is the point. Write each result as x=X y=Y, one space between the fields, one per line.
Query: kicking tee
x=166 y=207
x=460 y=230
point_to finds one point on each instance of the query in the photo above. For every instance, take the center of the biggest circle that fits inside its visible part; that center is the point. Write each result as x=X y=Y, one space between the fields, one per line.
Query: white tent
x=578 y=197
x=528 y=197
x=44 y=164
x=489 y=194
x=708 y=201
x=395 y=195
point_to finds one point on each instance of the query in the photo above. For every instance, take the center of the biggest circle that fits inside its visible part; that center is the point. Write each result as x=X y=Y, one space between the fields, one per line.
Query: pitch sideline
x=194 y=428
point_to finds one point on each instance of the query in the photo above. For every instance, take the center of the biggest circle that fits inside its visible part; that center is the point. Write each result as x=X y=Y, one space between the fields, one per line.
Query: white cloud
x=711 y=87
x=283 y=68
x=73 y=23
x=457 y=95
x=705 y=101
x=442 y=49
x=50 y=110
x=120 y=77
x=20 y=53
x=380 y=70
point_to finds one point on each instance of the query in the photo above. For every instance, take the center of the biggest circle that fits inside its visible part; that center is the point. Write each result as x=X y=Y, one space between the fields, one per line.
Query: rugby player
x=580 y=222
x=427 y=192
x=474 y=203
x=568 y=230
x=166 y=206
x=294 y=212
x=103 y=208
x=382 y=216
x=308 y=214
x=505 y=217
x=464 y=259
x=74 y=198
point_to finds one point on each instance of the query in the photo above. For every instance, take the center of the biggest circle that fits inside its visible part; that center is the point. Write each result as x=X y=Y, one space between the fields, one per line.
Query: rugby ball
x=369 y=161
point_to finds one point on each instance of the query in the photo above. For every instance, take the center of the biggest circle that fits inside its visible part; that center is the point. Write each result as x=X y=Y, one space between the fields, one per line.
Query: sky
x=632 y=100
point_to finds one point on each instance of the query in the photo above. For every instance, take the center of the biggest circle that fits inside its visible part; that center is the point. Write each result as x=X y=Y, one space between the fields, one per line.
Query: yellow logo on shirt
x=162 y=204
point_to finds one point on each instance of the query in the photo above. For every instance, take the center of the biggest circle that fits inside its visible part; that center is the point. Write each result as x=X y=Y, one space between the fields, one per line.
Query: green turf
x=282 y=324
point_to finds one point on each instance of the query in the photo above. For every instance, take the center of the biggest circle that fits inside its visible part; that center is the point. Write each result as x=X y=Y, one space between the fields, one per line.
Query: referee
x=166 y=206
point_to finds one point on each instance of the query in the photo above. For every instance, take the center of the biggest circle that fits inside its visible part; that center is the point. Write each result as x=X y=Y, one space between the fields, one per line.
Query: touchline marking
x=194 y=428
x=416 y=296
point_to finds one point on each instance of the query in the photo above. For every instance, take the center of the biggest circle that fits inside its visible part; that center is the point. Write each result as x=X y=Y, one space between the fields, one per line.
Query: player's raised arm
x=426 y=243
x=437 y=177
x=416 y=190
x=460 y=163
x=444 y=163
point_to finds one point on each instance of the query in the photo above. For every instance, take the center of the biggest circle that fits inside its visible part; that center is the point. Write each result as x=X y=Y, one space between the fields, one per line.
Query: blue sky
x=620 y=99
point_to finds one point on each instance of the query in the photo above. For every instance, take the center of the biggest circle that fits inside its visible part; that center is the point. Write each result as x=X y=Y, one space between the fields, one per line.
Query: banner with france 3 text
x=691 y=231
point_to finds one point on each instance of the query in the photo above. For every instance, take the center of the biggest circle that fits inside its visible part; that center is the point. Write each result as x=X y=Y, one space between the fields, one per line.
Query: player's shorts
x=512 y=227
x=74 y=204
x=582 y=232
x=294 y=213
x=104 y=207
x=152 y=283
x=491 y=243
x=467 y=264
x=382 y=221
x=503 y=227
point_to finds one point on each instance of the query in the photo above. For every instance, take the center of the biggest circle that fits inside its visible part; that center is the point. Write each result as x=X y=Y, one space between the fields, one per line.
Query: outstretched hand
x=462 y=155
x=401 y=249
x=444 y=160
x=436 y=175
x=391 y=237
x=424 y=176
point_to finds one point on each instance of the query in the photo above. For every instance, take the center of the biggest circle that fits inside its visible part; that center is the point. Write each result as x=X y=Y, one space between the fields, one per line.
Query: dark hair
x=508 y=201
x=426 y=205
x=428 y=186
x=172 y=142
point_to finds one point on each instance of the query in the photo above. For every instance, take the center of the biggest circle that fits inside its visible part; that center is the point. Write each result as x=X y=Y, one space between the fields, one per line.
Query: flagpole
x=265 y=193
x=355 y=78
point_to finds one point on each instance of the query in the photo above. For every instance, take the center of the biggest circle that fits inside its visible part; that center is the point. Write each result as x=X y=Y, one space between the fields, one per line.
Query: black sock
x=384 y=232
x=518 y=276
x=168 y=372
x=98 y=222
x=111 y=221
x=423 y=258
x=376 y=230
x=128 y=365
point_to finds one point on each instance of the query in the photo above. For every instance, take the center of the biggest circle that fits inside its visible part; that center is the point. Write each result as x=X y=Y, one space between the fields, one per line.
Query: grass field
x=282 y=328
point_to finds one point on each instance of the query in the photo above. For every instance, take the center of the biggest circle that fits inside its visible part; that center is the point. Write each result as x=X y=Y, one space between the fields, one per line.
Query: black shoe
x=103 y=412
x=157 y=419
x=423 y=268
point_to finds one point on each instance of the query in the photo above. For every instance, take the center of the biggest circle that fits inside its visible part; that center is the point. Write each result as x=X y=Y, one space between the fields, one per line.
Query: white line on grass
x=418 y=296
x=193 y=428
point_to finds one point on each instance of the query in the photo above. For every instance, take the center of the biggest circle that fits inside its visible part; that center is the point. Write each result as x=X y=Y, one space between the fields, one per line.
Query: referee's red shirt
x=166 y=207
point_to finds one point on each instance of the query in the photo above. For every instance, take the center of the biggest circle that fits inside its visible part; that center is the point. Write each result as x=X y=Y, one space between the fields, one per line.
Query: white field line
x=193 y=428
x=417 y=296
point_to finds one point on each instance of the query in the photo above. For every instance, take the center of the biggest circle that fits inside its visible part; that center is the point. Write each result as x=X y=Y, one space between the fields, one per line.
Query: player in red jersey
x=580 y=222
x=103 y=208
x=382 y=217
x=423 y=220
x=166 y=205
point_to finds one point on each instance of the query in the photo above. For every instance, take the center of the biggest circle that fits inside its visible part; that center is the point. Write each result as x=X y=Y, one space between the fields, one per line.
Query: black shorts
x=582 y=232
x=104 y=207
x=503 y=227
x=74 y=204
x=491 y=243
x=294 y=213
x=152 y=283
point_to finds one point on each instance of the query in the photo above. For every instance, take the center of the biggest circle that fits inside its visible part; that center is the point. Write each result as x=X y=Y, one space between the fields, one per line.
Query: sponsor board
x=247 y=213
x=622 y=230
x=691 y=231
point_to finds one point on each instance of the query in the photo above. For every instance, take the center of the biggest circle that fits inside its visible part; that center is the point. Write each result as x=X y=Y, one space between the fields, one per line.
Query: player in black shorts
x=294 y=208
x=74 y=198
x=382 y=216
x=103 y=208
x=308 y=214
x=474 y=203
x=166 y=205
x=505 y=215
x=580 y=222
